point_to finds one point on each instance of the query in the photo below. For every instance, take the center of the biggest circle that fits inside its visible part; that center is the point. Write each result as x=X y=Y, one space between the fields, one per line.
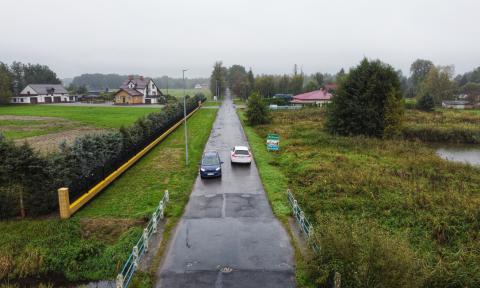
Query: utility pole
x=185 y=116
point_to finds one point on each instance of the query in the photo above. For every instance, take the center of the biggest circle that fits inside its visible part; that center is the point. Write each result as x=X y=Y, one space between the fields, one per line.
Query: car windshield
x=241 y=152
x=210 y=160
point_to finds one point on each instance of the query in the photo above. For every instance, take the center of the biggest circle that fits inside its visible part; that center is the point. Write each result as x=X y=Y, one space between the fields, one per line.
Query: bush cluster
x=29 y=181
x=257 y=110
x=368 y=102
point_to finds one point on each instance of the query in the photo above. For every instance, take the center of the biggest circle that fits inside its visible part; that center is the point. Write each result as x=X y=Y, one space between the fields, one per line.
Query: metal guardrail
x=305 y=226
x=133 y=261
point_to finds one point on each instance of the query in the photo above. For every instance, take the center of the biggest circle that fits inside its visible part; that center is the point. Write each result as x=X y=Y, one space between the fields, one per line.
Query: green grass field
x=179 y=92
x=101 y=117
x=95 y=242
x=378 y=205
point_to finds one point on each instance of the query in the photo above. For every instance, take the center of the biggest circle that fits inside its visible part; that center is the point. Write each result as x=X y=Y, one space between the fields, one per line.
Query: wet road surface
x=228 y=236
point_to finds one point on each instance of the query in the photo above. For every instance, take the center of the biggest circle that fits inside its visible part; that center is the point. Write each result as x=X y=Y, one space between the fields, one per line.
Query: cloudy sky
x=160 y=37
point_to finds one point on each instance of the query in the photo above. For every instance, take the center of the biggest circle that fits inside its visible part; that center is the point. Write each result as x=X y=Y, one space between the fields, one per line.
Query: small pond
x=460 y=153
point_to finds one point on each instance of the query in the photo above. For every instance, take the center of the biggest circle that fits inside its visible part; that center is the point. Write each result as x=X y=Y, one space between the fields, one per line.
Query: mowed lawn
x=101 y=117
x=95 y=242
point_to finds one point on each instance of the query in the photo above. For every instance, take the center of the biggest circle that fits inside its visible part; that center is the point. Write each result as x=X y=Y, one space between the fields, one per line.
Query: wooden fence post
x=64 y=203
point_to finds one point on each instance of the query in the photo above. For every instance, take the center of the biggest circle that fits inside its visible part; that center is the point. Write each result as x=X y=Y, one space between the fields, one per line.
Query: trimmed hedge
x=32 y=179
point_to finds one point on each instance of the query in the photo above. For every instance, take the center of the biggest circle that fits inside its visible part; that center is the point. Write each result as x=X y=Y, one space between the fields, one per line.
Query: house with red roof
x=317 y=97
x=138 y=90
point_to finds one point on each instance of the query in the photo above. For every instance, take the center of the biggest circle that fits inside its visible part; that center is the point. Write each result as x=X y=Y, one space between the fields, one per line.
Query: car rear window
x=241 y=152
x=210 y=160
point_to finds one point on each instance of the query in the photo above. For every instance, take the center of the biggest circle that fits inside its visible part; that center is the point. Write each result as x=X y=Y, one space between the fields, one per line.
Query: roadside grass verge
x=238 y=101
x=179 y=92
x=389 y=212
x=94 y=243
x=100 y=117
x=275 y=183
x=212 y=103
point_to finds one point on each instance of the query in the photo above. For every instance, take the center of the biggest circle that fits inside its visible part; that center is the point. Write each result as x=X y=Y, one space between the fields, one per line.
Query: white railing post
x=310 y=231
x=145 y=239
x=167 y=197
x=154 y=222
x=135 y=256
x=161 y=209
x=119 y=281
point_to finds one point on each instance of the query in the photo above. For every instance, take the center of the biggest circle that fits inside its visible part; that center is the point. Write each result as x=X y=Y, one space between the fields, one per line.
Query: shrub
x=364 y=255
x=257 y=110
x=426 y=103
x=367 y=102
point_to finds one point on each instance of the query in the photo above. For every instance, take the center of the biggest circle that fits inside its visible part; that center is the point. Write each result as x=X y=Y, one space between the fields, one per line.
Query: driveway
x=228 y=236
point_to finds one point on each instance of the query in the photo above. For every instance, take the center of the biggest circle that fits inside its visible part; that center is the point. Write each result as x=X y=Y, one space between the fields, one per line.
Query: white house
x=42 y=93
x=138 y=91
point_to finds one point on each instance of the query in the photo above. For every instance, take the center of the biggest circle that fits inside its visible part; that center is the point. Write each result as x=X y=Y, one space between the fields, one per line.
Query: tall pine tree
x=368 y=102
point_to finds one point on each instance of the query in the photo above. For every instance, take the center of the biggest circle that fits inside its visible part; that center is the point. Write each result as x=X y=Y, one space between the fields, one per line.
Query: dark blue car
x=211 y=165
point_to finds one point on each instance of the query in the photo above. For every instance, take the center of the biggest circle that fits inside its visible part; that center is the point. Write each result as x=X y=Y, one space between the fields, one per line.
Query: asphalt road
x=228 y=236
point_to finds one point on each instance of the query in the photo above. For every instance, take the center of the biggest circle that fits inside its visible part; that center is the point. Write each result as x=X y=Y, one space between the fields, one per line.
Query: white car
x=241 y=154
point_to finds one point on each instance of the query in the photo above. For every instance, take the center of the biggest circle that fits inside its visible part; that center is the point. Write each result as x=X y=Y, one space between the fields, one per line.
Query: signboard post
x=273 y=142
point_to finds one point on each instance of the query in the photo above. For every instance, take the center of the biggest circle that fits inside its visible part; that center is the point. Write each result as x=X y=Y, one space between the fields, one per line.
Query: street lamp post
x=185 y=116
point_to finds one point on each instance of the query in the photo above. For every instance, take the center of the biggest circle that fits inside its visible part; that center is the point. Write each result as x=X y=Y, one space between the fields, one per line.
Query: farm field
x=94 y=243
x=179 y=92
x=390 y=204
x=45 y=126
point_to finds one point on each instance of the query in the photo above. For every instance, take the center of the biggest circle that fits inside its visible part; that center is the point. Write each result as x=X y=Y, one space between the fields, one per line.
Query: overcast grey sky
x=161 y=37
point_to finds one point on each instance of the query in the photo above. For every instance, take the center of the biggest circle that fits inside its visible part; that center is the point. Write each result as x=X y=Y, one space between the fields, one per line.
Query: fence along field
x=29 y=180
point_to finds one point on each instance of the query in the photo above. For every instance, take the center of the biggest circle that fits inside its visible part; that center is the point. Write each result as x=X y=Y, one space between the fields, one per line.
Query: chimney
x=130 y=77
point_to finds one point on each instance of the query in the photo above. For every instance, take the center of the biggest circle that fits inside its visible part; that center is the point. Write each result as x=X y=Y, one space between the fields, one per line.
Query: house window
x=28 y=92
x=21 y=100
x=14 y=99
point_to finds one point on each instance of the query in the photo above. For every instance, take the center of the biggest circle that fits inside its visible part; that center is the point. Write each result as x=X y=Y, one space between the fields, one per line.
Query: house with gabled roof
x=138 y=90
x=42 y=93
x=317 y=97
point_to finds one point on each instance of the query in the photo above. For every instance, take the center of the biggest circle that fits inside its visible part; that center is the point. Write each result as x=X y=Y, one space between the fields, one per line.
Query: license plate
x=210 y=174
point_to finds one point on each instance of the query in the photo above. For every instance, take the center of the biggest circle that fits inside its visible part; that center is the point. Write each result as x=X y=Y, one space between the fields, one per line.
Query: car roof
x=210 y=154
x=241 y=148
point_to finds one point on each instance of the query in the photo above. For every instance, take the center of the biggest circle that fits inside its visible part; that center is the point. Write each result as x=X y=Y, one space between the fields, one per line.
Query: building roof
x=43 y=89
x=317 y=95
x=140 y=82
x=131 y=92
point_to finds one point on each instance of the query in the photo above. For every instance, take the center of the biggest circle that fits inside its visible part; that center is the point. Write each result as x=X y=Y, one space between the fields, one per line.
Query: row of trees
x=433 y=83
x=29 y=181
x=243 y=82
x=14 y=77
x=98 y=81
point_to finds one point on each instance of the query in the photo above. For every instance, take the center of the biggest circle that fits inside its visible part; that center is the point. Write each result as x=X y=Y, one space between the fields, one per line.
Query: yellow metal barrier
x=63 y=198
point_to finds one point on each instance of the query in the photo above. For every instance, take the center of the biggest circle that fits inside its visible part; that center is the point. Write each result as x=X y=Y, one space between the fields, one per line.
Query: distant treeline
x=14 y=77
x=98 y=81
